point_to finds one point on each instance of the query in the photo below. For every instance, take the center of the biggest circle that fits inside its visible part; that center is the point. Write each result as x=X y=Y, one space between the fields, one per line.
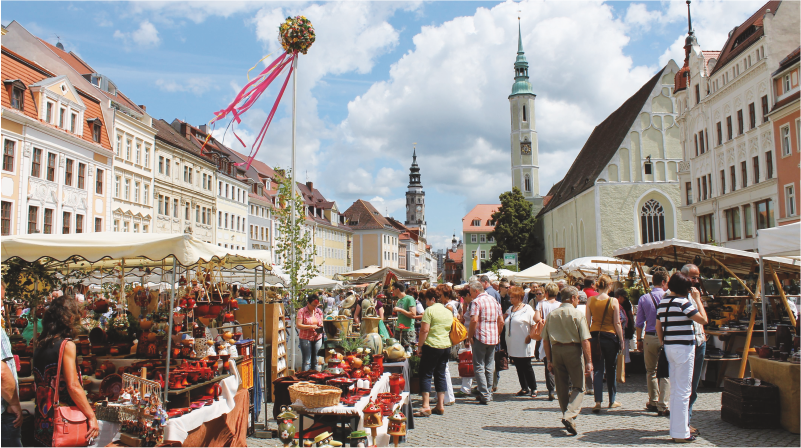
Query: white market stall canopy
x=320 y=282
x=400 y=274
x=679 y=252
x=782 y=241
x=504 y=273
x=540 y=273
x=362 y=272
x=590 y=266
x=105 y=250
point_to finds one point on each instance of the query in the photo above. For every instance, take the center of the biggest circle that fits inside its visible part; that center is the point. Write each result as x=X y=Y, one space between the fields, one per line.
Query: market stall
x=782 y=241
x=189 y=362
x=736 y=302
x=592 y=267
x=540 y=273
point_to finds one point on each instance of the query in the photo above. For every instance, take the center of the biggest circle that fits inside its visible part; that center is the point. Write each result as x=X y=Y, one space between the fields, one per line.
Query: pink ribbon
x=250 y=94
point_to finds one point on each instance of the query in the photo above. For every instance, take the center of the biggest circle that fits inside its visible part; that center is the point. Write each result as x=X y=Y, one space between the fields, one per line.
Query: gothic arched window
x=527 y=183
x=652 y=219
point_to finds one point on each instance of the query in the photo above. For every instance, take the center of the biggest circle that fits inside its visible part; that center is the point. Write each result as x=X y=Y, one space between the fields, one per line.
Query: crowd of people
x=577 y=331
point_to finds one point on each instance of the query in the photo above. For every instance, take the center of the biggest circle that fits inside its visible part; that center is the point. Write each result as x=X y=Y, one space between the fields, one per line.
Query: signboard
x=558 y=256
x=510 y=259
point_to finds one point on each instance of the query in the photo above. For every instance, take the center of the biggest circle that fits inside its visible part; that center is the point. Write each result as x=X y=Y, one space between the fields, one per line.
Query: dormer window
x=17 y=93
x=96 y=125
x=49 y=112
x=476 y=223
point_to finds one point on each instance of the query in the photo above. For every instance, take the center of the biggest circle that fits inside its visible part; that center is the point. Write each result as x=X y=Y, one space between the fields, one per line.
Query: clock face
x=419 y=207
x=525 y=148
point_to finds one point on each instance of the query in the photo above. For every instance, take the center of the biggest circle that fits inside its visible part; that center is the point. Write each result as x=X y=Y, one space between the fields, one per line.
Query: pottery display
x=395 y=352
x=373 y=342
x=397 y=383
x=765 y=352
x=286 y=425
x=111 y=386
x=397 y=423
x=358 y=439
x=372 y=416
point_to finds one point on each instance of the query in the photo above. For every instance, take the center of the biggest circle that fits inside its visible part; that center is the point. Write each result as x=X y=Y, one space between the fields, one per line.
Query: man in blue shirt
x=485 y=282
x=658 y=389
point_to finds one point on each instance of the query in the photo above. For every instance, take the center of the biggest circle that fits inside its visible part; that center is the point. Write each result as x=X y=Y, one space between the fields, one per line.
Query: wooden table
x=785 y=375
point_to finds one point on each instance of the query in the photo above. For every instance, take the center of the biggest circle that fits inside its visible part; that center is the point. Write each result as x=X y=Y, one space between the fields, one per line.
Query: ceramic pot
x=24 y=367
x=27 y=391
x=145 y=324
x=765 y=352
x=397 y=383
x=21 y=322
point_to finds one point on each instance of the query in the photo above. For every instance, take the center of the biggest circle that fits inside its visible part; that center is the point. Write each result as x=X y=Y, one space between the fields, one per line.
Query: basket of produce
x=314 y=395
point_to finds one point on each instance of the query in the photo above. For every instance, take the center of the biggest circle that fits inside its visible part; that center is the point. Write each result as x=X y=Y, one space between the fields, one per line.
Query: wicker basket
x=115 y=413
x=314 y=395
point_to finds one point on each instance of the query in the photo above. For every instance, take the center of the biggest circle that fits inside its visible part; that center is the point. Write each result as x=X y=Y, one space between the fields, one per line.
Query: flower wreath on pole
x=297 y=36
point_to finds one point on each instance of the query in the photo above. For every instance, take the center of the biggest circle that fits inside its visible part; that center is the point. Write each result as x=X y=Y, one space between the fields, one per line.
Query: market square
x=318 y=224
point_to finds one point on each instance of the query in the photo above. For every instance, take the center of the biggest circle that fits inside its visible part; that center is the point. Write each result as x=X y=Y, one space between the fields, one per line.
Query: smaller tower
x=415 y=199
x=454 y=243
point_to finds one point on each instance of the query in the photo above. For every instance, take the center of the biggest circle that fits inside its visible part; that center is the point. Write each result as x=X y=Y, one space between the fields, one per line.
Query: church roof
x=600 y=147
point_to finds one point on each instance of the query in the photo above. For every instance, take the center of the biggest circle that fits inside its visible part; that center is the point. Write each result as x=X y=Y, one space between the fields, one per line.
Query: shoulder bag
x=662 y=366
x=458 y=331
x=70 y=425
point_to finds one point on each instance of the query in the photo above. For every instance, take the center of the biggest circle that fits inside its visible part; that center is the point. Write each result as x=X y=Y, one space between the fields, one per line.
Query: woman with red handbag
x=63 y=415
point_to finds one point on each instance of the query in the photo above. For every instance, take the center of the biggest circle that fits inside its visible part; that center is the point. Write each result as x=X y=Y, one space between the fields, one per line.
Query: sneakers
x=616 y=404
x=597 y=408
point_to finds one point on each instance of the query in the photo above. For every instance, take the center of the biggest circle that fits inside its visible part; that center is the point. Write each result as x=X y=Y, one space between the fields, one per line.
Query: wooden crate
x=750 y=407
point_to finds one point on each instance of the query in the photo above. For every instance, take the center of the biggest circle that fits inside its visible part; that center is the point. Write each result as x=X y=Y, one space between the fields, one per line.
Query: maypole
x=293 y=282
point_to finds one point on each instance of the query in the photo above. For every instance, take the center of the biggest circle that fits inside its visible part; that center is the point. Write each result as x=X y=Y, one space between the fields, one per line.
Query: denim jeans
x=308 y=352
x=483 y=368
x=700 y=352
x=11 y=436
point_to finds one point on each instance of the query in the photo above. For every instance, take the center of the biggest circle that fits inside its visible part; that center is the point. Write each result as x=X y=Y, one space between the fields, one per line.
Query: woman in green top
x=433 y=348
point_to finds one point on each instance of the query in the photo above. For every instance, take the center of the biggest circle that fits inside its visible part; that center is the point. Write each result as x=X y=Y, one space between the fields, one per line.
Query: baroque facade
x=728 y=174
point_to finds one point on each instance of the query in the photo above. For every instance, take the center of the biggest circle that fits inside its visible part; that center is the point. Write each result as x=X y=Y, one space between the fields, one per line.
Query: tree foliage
x=301 y=267
x=514 y=229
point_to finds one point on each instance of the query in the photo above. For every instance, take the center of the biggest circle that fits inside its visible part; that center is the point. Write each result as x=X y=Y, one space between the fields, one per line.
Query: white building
x=184 y=186
x=728 y=176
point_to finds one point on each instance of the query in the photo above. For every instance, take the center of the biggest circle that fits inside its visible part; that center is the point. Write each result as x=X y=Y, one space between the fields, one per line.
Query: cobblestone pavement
x=515 y=421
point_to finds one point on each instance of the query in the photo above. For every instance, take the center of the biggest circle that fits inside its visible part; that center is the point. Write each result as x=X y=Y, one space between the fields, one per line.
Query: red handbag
x=70 y=425
x=466 y=364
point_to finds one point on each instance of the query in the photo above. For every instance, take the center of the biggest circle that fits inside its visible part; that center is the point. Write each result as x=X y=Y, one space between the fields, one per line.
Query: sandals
x=422 y=413
x=438 y=411
x=534 y=394
x=522 y=393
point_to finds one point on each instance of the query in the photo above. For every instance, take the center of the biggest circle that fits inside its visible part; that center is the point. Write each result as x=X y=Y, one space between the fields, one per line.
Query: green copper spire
x=521 y=86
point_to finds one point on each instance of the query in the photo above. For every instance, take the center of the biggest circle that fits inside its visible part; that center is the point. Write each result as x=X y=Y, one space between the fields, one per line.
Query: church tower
x=525 y=153
x=415 y=199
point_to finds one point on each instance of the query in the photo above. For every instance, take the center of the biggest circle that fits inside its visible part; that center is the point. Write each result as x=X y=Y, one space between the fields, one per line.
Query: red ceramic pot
x=396 y=383
x=202 y=309
x=27 y=391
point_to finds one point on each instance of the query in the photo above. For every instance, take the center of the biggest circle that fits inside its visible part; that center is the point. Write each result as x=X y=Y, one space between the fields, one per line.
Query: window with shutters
x=652 y=222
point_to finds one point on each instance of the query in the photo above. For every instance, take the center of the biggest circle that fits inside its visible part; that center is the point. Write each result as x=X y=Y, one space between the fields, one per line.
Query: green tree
x=300 y=267
x=514 y=229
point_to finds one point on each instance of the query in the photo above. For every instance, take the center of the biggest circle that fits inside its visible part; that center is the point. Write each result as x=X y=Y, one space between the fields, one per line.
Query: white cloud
x=197 y=86
x=145 y=36
x=388 y=207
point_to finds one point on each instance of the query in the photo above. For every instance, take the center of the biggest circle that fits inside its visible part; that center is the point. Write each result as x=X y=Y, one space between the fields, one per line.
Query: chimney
x=143 y=107
x=310 y=186
x=185 y=131
x=202 y=128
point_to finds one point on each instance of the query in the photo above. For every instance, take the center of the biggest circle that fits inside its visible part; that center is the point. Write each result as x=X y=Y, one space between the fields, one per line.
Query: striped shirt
x=674 y=313
x=488 y=310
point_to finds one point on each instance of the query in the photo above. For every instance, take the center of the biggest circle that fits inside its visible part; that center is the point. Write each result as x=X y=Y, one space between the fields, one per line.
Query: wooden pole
x=748 y=335
x=781 y=293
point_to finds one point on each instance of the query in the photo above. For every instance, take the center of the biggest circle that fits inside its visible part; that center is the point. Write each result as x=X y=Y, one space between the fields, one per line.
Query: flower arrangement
x=296 y=34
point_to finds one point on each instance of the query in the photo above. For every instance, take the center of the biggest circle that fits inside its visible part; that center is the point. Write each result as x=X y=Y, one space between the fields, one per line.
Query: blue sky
x=383 y=75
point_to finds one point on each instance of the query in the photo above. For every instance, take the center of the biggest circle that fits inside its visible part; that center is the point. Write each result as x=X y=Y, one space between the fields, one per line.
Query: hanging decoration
x=296 y=35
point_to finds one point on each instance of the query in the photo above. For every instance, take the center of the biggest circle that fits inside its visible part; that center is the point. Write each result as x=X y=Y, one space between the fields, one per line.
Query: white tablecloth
x=178 y=428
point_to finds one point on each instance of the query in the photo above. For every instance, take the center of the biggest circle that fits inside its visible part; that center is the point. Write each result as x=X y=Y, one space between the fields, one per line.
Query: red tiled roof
x=28 y=72
x=366 y=216
x=83 y=68
x=482 y=212
x=788 y=61
x=752 y=25
x=457 y=256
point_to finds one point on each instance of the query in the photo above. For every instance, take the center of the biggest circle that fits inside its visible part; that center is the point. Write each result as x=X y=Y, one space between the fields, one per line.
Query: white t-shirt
x=517 y=327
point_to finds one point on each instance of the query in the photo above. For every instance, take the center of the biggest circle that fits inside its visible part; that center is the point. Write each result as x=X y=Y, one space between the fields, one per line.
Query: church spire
x=414 y=172
x=521 y=85
x=690 y=41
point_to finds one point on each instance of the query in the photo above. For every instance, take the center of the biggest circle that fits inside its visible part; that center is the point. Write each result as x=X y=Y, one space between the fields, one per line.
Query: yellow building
x=330 y=236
